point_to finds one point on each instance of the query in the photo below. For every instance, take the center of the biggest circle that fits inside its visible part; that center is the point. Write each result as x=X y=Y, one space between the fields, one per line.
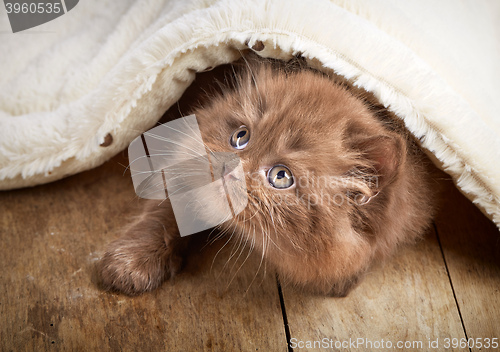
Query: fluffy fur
x=361 y=185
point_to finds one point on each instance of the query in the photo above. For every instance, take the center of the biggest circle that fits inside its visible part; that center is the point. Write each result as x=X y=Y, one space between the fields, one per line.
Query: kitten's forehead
x=302 y=99
x=298 y=122
x=300 y=117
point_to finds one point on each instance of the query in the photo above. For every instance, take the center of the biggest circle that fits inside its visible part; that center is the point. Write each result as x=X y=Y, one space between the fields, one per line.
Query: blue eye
x=240 y=137
x=279 y=176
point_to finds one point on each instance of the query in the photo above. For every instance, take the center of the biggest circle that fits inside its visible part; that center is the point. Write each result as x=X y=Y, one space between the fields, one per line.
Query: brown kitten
x=334 y=183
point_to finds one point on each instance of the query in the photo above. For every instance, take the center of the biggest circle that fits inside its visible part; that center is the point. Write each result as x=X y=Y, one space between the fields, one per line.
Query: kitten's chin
x=212 y=206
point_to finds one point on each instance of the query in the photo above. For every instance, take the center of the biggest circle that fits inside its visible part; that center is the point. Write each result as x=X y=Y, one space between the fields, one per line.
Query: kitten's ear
x=381 y=157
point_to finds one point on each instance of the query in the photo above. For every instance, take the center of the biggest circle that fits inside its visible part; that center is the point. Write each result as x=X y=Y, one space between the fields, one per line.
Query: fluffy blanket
x=77 y=90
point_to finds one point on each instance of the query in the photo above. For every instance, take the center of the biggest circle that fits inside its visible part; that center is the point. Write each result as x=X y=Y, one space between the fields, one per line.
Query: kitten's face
x=297 y=136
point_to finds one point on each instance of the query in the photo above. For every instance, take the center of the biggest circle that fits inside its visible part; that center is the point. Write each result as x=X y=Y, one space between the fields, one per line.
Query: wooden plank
x=408 y=300
x=471 y=245
x=52 y=236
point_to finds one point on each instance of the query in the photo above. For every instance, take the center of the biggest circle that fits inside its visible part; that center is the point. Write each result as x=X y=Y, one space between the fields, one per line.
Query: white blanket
x=111 y=68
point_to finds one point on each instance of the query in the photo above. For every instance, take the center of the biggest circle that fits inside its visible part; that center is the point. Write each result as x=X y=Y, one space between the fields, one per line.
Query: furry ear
x=379 y=161
x=386 y=154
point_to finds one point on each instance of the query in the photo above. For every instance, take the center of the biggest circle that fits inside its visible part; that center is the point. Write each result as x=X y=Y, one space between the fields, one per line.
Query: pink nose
x=226 y=173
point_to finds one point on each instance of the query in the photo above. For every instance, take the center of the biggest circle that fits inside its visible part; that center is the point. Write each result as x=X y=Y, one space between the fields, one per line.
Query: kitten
x=333 y=180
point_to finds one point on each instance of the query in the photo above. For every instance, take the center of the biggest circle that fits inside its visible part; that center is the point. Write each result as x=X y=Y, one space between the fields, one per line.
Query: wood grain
x=408 y=300
x=471 y=245
x=52 y=236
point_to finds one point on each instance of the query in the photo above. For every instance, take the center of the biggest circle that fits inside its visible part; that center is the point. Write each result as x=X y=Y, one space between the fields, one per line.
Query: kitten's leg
x=149 y=252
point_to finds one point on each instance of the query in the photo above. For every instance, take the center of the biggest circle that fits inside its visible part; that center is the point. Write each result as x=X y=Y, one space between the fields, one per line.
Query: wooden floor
x=445 y=287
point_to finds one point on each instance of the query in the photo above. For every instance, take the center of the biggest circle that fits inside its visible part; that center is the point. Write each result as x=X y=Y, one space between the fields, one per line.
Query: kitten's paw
x=130 y=268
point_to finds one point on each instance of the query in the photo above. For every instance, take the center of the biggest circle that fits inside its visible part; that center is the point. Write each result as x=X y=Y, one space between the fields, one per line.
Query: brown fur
x=365 y=187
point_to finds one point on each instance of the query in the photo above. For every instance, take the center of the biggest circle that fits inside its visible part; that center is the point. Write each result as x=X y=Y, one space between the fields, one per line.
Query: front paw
x=131 y=268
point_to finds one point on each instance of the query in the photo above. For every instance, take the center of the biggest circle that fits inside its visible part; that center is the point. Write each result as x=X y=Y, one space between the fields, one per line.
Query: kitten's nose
x=226 y=172
x=226 y=166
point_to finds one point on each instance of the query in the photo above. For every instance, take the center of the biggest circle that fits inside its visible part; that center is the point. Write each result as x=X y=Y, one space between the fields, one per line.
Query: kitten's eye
x=280 y=176
x=240 y=138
